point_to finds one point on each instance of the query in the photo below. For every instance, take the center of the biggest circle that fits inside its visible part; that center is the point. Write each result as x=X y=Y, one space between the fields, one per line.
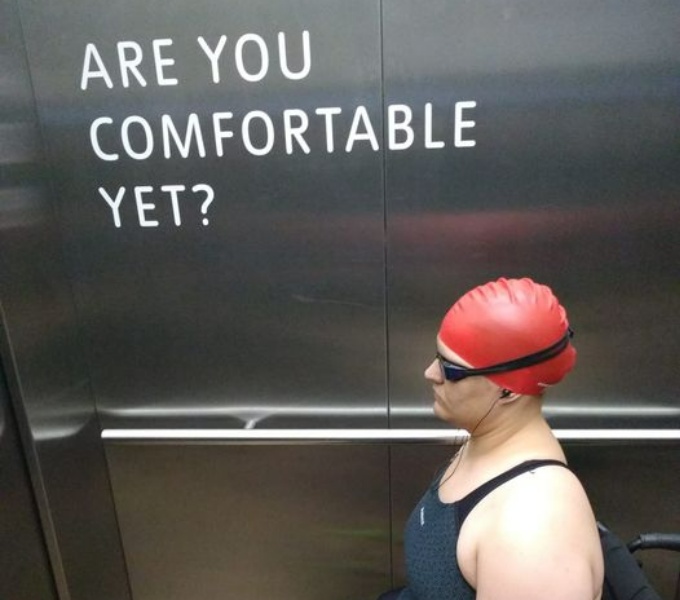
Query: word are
x=137 y=138
x=145 y=207
x=251 y=56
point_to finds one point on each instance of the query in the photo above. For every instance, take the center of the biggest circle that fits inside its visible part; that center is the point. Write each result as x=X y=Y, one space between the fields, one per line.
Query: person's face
x=462 y=403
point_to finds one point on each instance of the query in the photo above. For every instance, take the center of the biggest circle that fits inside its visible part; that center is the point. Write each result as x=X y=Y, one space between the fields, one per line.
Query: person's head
x=513 y=333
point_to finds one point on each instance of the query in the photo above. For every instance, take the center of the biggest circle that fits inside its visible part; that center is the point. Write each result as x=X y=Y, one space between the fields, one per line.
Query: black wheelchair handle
x=659 y=541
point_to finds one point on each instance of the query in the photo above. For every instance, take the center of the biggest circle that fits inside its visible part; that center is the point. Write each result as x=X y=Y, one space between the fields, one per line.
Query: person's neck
x=525 y=433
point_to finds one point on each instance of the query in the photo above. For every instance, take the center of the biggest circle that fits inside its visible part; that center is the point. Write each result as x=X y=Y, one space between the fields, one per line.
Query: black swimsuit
x=431 y=538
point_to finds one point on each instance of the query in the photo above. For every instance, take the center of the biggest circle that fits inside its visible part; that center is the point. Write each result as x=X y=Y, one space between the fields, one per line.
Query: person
x=506 y=519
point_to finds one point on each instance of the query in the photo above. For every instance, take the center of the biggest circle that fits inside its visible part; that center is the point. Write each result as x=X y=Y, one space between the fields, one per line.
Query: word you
x=251 y=56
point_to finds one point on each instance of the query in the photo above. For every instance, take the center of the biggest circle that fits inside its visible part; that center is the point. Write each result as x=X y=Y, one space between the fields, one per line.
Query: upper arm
x=539 y=546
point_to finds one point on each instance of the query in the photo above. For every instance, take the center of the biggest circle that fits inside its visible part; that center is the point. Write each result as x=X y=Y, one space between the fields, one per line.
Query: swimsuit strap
x=466 y=504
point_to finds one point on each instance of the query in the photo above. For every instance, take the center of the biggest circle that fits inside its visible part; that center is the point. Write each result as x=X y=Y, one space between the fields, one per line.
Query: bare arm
x=541 y=543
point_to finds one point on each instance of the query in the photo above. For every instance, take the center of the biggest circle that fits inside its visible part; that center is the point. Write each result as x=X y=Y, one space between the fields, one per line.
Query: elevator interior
x=249 y=217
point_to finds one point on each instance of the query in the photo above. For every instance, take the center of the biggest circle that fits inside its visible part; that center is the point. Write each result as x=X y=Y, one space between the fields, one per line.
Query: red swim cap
x=508 y=319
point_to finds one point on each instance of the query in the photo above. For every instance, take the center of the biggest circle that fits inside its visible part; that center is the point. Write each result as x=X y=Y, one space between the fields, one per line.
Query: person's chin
x=441 y=413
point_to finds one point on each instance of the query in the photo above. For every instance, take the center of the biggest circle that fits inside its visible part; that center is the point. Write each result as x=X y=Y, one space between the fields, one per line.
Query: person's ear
x=506 y=396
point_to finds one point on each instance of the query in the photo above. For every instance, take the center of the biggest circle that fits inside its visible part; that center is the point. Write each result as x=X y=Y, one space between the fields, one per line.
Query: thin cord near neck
x=461 y=451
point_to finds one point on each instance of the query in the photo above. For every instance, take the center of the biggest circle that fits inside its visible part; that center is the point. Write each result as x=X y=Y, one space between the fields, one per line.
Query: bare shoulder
x=545 y=498
x=539 y=534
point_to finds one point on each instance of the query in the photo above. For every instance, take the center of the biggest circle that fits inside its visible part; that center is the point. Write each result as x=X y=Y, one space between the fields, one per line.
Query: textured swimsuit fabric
x=431 y=537
x=430 y=540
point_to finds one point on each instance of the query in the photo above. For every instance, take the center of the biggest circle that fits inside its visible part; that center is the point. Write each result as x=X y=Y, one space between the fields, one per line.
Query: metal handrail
x=371 y=436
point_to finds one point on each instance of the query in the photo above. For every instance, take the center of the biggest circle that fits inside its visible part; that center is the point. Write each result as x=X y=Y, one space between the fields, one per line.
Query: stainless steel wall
x=540 y=140
x=301 y=522
x=573 y=180
x=44 y=365
x=253 y=215
x=258 y=521
x=26 y=573
x=274 y=310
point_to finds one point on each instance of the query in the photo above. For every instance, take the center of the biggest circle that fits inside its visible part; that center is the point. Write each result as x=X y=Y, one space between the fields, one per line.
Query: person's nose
x=433 y=372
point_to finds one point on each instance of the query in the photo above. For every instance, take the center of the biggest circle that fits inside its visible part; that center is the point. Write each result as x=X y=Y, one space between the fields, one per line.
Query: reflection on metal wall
x=258 y=296
x=252 y=522
x=573 y=181
x=24 y=564
x=40 y=349
x=220 y=180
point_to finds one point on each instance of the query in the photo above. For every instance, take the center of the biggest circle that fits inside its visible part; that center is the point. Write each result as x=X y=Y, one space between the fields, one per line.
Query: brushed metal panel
x=253 y=522
x=24 y=563
x=274 y=311
x=633 y=488
x=45 y=371
x=573 y=181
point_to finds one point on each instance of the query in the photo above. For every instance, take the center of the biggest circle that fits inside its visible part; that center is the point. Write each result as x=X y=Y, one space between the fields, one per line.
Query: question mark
x=210 y=196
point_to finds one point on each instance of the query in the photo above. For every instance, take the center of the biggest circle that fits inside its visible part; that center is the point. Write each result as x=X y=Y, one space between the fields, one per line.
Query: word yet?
x=145 y=207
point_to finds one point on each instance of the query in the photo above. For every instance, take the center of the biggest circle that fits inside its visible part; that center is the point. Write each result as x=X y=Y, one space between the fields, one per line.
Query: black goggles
x=454 y=372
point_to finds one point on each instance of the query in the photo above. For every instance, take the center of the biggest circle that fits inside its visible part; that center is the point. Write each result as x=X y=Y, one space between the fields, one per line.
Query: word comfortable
x=258 y=132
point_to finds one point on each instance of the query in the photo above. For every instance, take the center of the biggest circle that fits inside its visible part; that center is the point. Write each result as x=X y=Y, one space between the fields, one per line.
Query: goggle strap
x=528 y=360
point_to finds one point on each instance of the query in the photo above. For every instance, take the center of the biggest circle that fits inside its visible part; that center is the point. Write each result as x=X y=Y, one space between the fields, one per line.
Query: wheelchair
x=624 y=577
